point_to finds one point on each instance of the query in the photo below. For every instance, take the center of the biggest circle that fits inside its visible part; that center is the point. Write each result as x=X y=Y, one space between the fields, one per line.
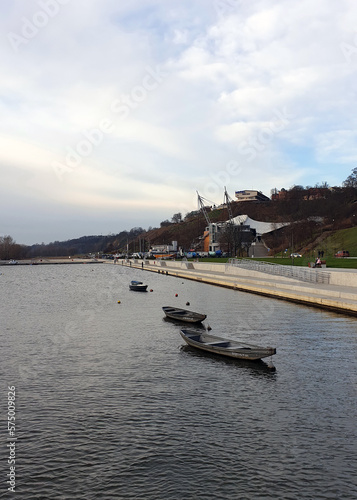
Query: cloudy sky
x=115 y=113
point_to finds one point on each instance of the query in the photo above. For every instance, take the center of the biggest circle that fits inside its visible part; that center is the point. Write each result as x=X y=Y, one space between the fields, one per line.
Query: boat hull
x=183 y=315
x=226 y=347
x=137 y=286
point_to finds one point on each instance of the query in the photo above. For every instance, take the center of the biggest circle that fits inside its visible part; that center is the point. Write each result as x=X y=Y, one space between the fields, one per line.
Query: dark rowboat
x=183 y=315
x=226 y=347
x=137 y=286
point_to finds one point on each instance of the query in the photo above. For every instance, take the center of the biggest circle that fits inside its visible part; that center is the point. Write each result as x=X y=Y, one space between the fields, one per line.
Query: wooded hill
x=311 y=212
x=310 y=217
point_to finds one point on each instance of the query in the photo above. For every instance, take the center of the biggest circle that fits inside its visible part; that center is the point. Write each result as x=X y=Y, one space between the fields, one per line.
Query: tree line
x=336 y=206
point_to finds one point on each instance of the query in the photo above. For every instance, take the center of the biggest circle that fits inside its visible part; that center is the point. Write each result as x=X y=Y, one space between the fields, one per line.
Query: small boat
x=226 y=347
x=183 y=315
x=137 y=286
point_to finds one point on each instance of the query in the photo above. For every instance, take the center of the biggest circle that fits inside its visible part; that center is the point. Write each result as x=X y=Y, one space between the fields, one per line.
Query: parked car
x=295 y=255
x=342 y=253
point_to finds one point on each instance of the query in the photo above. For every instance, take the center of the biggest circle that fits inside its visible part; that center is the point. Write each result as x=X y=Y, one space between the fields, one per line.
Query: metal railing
x=298 y=273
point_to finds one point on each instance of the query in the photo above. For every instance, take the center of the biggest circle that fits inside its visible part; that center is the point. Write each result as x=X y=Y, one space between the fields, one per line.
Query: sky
x=115 y=113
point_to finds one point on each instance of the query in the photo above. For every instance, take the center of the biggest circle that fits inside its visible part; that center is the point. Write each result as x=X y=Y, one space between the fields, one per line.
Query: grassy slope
x=345 y=239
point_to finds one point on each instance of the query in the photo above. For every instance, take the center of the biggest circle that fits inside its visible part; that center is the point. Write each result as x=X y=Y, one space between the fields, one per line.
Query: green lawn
x=304 y=261
x=285 y=261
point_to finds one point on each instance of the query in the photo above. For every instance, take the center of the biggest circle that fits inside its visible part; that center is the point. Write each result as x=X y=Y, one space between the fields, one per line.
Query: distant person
x=317 y=262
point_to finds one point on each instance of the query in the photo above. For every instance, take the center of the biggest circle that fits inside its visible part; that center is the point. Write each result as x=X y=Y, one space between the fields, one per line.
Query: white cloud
x=227 y=73
x=339 y=146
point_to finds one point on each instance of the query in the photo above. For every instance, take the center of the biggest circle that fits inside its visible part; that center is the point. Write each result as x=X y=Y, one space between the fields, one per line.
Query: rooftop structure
x=251 y=195
x=260 y=227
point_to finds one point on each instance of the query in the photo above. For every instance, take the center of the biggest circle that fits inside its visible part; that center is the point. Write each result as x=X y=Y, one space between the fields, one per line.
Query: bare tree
x=351 y=180
x=9 y=249
x=176 y=218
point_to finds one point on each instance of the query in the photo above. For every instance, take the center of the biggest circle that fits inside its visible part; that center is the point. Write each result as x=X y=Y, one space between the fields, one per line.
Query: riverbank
x=55 y=260
x=338 y=293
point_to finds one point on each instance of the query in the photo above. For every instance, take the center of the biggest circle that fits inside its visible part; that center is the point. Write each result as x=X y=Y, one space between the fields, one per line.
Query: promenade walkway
x=338 y=294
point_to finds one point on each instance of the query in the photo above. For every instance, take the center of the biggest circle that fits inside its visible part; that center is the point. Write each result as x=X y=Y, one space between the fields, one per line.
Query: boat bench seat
x=196 y=338
x=219 y=344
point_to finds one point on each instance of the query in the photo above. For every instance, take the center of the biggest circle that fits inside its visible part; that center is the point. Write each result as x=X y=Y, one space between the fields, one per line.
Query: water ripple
x=112 y=405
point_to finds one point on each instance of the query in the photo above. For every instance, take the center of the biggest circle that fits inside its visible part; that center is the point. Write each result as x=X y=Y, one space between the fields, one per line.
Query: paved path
x=338 y=298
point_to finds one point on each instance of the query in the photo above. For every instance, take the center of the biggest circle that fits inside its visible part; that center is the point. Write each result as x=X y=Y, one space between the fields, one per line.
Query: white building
x=164 y=248
x=214 y=230
x=260 y=227
x=250 y=195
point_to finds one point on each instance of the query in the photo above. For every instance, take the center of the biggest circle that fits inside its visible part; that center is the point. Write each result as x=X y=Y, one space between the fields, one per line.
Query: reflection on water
x=181 y=324
x=258 y=366
x=111 y=402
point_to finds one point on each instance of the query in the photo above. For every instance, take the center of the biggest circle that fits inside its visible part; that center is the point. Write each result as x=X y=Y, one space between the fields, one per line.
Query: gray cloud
x=124 y=110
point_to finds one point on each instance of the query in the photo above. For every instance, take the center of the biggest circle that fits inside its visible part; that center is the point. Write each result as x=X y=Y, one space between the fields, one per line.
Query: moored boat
x=226 y=347
x=183 y=314
x=137 y=286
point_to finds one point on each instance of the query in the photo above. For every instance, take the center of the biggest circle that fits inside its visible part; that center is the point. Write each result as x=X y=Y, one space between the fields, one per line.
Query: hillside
x=344 y=239
x=316 y=218
x=311 y=222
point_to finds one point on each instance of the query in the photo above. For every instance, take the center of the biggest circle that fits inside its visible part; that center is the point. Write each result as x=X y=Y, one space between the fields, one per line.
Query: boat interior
x=220 y=343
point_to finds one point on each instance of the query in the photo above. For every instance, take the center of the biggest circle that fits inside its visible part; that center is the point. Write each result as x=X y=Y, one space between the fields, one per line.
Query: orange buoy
x=176 y=294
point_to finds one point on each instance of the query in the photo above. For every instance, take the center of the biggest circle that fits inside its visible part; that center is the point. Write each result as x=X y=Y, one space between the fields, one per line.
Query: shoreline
x=340 y=296
x=55 y=260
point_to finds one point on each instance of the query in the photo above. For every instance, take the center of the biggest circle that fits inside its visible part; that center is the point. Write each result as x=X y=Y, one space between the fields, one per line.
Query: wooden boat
x=183 y=314
x=226 y=347
x=137 y=286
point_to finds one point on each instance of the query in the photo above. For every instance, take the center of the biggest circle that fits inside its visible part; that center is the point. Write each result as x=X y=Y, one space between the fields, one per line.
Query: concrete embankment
x=338 y=293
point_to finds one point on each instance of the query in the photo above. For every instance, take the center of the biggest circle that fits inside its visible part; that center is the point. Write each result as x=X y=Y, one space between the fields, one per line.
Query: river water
x=111 y=405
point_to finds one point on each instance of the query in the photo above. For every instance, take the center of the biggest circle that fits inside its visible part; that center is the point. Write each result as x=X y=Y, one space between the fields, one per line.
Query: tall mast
x=203 y=208
x=228 y=200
